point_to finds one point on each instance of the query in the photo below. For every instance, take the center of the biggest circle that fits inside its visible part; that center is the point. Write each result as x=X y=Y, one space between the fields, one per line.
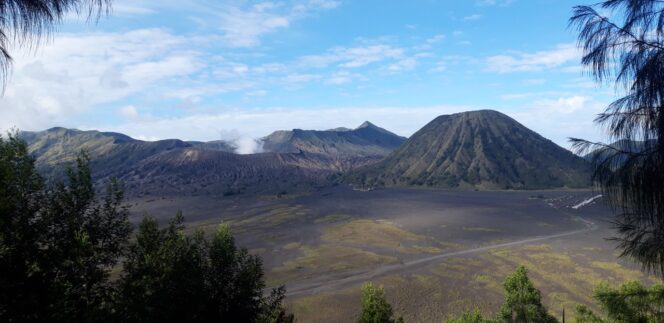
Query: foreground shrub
x=172 y=276
x=629 y=302
x=474 y=316
x=523 y=302
x=375 y=308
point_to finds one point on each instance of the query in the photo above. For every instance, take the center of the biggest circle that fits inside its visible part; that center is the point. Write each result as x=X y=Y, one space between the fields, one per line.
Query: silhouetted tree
x=375 y=308
x=25 y=22
x=523 y=302
x=169 y=276
x=624 y=45
x=22 y=280
x=57 y=246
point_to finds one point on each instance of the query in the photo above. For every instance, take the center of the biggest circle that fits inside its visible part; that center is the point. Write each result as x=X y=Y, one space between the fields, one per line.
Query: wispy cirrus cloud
x=531 y=62
x=472 y=17
x=353 y=57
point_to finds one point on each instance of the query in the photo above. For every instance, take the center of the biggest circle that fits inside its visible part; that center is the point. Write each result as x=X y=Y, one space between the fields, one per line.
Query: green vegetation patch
x=325 y=259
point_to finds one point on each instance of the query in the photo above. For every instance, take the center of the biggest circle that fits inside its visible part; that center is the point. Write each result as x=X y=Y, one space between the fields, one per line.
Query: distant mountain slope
x=479 y=149
x=367 y=140
x=218 y=145
x=194 y=171
x=177 y=167
x=110 y=152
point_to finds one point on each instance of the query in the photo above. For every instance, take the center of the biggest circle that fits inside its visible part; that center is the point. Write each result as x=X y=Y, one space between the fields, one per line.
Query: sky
x=209 y=70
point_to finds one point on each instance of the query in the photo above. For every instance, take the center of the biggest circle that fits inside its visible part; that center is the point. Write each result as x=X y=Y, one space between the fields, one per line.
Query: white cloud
x=301 y=78
x=563 y=117
x=563 y=105
x=472 y=17
x=343 y=77
x=128 y=112
x=76 y=72
x=436 y=39
x=502 y=3
x=405 y=64
x=127 y=9
x=245 y=26
x=530 y=62
x=352 y=57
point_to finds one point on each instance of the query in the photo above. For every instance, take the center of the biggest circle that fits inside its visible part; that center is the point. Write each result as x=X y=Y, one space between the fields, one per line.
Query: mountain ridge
x=367 y=140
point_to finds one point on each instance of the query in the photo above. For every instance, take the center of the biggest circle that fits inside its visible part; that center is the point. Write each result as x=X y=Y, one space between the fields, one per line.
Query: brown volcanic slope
x=479 y=149
x=194 y=171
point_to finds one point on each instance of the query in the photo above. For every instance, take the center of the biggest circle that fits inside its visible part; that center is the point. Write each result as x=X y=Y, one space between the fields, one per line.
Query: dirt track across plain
x=335 y=282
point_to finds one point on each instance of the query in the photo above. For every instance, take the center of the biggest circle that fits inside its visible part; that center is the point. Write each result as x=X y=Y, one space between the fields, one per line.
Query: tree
x=375 y=308
x=169 y=276
x=25 y=22
x=474 y=316
x=630 y=302
x=523 y=302
x=22 y=280
x=629 y=52
x=57 y=246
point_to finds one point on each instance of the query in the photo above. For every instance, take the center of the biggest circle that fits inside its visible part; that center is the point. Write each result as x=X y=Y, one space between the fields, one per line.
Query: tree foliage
x=623 y=43
x=474 y=316
x=172 y=276
x=630 y=302
x=375 y=308
x=57 y=246
x=59 y=243
x=523 y=302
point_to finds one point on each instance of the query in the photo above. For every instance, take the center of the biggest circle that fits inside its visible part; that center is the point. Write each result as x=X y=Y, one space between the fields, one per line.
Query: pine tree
x=523 y=302
x=375 y=308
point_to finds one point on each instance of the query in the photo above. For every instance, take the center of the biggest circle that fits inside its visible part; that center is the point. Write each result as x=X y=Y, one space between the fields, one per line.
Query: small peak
x=54 y=129
x=366 y=124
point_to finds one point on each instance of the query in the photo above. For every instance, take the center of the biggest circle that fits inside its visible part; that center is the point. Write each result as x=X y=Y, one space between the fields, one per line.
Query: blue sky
x=205 y=70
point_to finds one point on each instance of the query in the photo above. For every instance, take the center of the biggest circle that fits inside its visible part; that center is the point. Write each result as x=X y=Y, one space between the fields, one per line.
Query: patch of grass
x=292 y=245
x=381 y=234
x=272 y=216
x=426 y=249
x=332 y=218
x=324 y=259
x=326 y=306
x=367 y=232
x=377 y=234
x=618 y=271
